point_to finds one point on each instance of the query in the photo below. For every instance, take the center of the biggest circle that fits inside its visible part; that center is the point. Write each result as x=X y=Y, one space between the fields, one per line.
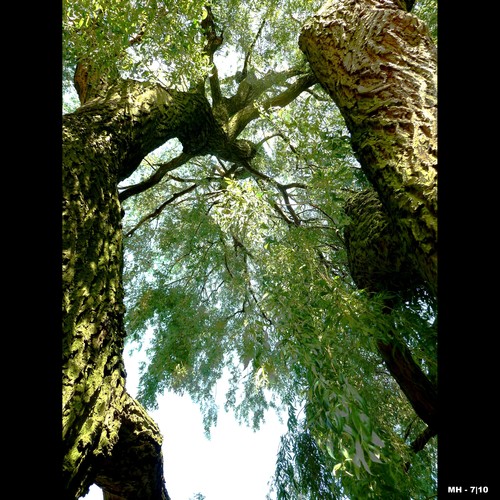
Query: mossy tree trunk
x=378 y=63
x=108 y=438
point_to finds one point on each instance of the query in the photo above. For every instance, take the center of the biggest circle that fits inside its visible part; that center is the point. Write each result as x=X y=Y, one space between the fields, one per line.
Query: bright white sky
x=235 y=463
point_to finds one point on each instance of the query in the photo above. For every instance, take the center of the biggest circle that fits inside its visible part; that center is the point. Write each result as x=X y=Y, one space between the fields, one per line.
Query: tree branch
x=420 y=442
x=214 y=42
x=288 y=204
x=419 y=390
x=244 y=72
x=160 y=209
x=250 y=88
x=242 y=118
x=154 y=179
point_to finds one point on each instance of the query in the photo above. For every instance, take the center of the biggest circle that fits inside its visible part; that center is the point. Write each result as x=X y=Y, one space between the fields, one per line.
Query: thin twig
x=160 y=209
x=154 y=179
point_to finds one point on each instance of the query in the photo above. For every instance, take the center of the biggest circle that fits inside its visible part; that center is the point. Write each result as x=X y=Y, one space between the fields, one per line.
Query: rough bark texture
x=147 y=115
x=378 y=63
x=102 y=424
x=378 y=259
x=92 y=312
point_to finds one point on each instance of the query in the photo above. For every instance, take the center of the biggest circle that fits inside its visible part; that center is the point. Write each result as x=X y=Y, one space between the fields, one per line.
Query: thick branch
x=156 y=177
x=251 y=112
x=213 y=43
x=143 y=116
x=293 y=91
x=419 y=390
x=250 y=88
x=419 y=443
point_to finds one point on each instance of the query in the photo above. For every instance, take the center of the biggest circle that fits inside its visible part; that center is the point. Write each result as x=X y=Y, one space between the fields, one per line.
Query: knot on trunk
x=378 y=260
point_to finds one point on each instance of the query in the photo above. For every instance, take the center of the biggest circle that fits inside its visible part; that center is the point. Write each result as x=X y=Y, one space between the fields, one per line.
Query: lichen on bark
x=378 y=259
x=94 y=395
x=378 y=63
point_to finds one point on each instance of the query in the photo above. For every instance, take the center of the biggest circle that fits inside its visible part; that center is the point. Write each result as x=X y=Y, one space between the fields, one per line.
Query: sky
x=235 y=463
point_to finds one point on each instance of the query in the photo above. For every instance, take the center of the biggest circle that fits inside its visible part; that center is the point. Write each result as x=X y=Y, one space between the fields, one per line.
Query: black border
x=468 y=255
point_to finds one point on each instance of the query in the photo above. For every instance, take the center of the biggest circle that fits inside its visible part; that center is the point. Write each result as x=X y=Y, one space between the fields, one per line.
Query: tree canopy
x=237 y=255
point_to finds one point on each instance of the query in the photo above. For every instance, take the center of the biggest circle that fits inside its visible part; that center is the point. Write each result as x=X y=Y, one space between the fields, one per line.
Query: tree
x=248 y=267
x=389 y=100
x=99 y=417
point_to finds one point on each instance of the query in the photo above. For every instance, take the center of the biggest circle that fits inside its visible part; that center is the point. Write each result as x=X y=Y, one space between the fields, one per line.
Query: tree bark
x=378 y=63
x=107 y=438
x=416 y=386
x=378 y=260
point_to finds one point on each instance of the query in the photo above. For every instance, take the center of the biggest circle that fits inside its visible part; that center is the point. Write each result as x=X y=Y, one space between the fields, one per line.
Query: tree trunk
x=378 y=63
x=377 y=258
x=107 y=437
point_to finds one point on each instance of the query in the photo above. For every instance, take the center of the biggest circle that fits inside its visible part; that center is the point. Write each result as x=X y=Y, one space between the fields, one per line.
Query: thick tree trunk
x=101 y=422
x=107 y=437
x=378 y=63
x=93 y=373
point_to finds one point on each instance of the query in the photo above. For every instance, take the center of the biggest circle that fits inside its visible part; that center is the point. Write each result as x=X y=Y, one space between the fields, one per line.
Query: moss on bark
x=378 y=63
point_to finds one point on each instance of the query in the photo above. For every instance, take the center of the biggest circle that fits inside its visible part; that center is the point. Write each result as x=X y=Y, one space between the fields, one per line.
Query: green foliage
x=301 y=471
x=224 y=282
x=108 y=32
x=427 y=11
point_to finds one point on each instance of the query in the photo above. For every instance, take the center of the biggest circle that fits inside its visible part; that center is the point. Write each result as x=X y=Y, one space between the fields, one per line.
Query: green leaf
x=359 y=457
